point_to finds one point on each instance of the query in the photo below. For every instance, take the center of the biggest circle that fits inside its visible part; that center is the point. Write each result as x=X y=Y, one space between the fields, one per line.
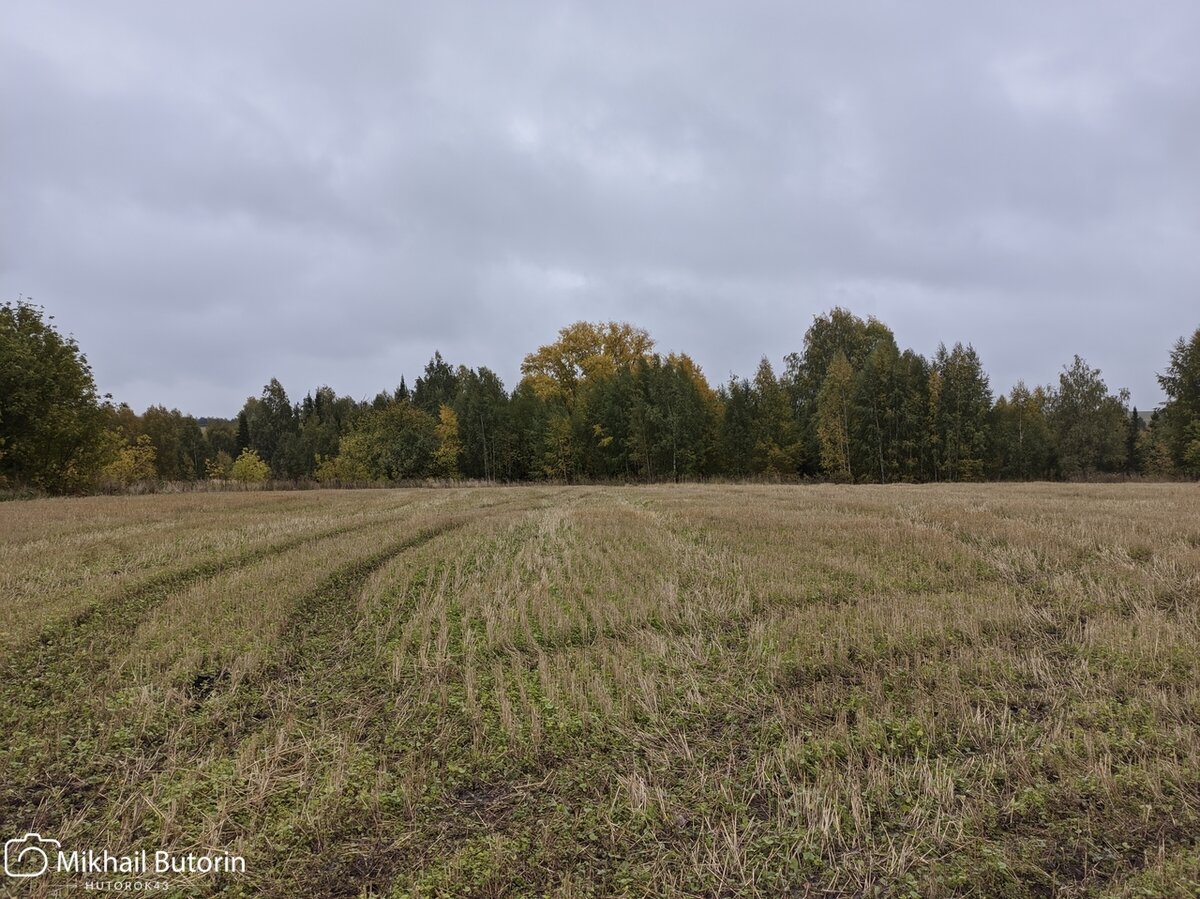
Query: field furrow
x=104 y=660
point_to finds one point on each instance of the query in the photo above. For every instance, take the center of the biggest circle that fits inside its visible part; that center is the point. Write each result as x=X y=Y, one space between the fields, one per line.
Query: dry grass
x=694 y=691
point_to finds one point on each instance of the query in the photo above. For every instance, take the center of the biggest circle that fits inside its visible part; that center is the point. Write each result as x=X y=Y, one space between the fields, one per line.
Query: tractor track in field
x=66 y=660
x=90 y=631
x=308 y=635
x=378 y=861
x=315 y=638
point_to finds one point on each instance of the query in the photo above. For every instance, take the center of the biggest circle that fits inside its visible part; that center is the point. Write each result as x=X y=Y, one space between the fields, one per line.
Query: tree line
x=599 y=403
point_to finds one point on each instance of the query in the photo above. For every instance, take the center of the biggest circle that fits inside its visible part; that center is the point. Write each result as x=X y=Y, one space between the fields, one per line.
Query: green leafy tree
x=912 y=398
x=616 y=427
x=1154 y=448
x=880 y=419
x=933 y=436
x=777 y=446
x=220 y=436
x=484 y=422
x=838 y=331
x=1191 y=449
x=243 y=432
x=272 y=424
x=54 y=427
x=321 y=419
x=1021 y=441
x=1088 y=423
x=691 y=413
x=126 y=423
x=737 y=435
x=833 y=419
x=1181 y=383
x=1134 y=428
x=178 y=441
x=649 y=442
x=395 y=443
x=666 y=419
x=437 y=387
x=964 y=404
x=522 y=456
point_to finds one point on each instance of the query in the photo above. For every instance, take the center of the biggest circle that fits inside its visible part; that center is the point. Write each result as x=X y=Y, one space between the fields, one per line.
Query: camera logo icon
x=28 y=856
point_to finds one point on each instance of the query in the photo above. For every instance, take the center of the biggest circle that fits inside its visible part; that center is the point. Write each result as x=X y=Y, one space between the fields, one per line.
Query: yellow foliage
x=134 y=463
x=344 y=468
x=584 y=351
x=688 y=366
x=219 y=467
x=445 y=457
x=249 y=468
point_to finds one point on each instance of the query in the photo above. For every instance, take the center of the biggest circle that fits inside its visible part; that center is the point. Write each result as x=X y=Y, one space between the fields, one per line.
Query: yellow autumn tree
x=695 y=375
x=248 y=468
x=134 y=463
x=219 y=467
x=445 y=457
x=584 y=351
x=347 y=467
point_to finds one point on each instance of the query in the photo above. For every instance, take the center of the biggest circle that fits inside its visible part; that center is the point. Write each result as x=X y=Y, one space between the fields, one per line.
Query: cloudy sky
x=209 y=195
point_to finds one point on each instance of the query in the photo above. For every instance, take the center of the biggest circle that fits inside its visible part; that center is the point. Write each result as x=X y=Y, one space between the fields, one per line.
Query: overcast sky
x=211 y=194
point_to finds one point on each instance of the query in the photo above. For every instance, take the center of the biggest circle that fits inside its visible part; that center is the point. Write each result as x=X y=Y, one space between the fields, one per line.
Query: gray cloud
x=209 y=197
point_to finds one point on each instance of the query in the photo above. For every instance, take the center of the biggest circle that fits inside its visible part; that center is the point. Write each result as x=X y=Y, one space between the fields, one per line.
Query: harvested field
x=975 y=690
